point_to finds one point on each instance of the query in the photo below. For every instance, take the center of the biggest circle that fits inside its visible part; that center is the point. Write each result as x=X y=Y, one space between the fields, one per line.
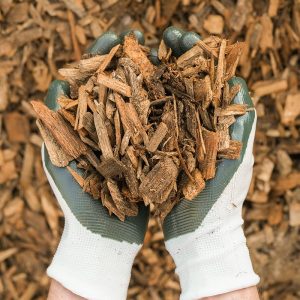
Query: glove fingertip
x=243 y=96
x=104 y=43
x=153 y=56
x=57 y=88
x=188 y=40
x=241 y=129
x=171 y=37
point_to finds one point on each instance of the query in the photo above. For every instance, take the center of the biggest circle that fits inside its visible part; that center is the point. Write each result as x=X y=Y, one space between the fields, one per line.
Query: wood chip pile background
x=39 y=37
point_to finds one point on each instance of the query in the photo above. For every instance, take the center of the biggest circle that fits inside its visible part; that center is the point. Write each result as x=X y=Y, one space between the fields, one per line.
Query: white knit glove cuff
x=213 y=264
x=92 y=266
x=87 y=264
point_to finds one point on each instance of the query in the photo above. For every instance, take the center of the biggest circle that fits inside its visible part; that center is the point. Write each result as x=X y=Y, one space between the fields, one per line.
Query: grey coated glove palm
x=96 y=252
x=205 y=236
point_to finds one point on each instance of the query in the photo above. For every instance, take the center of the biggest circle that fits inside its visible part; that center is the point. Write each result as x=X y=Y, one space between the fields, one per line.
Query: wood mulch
x=37 y=38
x=159 y=129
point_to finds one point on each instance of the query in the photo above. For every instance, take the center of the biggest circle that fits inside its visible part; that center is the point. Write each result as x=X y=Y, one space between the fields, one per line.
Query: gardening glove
x=96 y=251
x=205 y=235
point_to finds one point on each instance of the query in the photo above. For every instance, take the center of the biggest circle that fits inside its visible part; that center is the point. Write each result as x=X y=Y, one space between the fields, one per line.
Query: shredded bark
x=146 y=133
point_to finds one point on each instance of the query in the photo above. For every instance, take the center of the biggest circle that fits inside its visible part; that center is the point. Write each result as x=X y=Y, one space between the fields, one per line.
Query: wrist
x=212 y=263
x=90 y=265
x=250 y=293
x=58 y=292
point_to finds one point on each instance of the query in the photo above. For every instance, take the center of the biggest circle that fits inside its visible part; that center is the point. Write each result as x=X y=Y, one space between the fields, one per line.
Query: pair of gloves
x=204 y=236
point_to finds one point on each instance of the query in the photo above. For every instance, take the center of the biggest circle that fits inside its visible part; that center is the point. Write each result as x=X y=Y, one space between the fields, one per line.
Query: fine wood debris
x=151 y=133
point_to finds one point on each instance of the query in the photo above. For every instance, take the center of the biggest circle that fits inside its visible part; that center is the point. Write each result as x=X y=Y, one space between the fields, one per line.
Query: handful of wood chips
x=145 y=133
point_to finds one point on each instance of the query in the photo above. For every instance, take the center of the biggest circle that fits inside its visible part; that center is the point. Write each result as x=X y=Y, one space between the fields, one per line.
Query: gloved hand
x=205 y=235
x=96 y=252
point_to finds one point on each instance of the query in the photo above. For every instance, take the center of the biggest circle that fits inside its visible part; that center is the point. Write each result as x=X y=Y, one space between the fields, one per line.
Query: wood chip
x=111 y=167
x=62 y=133
x=123 y=206
x=219 y=76
x=211 y=140
x=184 y=59
x=193 y=188
x=5 y=254
x=82 y=107
x=134 y=52
x=102 y=133
x=231 y=110
x=232 y=152
x=56 y=153
x=157 y=137
x=214 y=24
x=262 y=88
x=288 y=182
x=114 y=84
x=157 y=185
x=17 y=127
x=292 y=109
